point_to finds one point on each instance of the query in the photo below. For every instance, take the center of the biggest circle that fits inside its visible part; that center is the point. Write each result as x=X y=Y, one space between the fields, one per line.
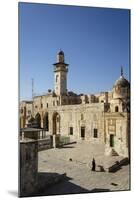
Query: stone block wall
x=28 y=168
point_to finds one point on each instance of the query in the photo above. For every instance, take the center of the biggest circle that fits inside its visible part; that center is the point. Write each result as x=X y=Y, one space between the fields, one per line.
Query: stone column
x=54 y=141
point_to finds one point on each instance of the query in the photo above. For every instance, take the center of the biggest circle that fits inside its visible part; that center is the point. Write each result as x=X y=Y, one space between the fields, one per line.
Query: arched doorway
x=46 y=122
x=56 y=123
x=38 y=120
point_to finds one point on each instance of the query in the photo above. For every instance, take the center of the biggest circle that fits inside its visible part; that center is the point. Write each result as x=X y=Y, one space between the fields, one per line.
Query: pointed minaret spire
x=121 y=71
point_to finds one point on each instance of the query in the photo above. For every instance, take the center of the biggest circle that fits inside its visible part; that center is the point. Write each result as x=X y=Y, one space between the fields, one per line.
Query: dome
x=122 y=82
x=61 y=53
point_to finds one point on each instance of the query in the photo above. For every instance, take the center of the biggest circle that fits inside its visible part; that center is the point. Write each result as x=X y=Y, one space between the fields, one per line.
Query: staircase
x=110 y=152
x=113 y=152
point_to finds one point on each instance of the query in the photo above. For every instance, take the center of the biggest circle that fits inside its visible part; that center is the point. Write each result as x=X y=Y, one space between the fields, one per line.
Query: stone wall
x=117 y=124
x=88 y=120
x=28 y=168
x=89 y=116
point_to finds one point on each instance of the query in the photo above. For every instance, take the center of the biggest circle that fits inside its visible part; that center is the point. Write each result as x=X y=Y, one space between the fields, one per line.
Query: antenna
x=121 y=71
x=32 y=96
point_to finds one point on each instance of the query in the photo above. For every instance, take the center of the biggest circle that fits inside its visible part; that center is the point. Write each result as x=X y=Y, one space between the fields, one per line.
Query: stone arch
x=46 y=121
x=56 y=123
x=38 y=120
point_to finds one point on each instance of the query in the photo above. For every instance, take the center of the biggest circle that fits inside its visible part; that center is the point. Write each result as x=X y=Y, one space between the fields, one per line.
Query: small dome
x=122 y=82
x=61 y=53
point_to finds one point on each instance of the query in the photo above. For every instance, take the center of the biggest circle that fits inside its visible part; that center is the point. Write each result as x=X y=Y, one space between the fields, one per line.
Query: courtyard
x=76 y=160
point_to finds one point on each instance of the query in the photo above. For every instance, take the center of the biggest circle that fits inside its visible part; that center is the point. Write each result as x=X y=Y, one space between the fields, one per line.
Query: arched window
x=116 y=109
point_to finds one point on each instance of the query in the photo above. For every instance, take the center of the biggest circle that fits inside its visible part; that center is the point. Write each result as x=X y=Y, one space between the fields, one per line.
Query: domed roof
x=122 y=82
x=61 y=52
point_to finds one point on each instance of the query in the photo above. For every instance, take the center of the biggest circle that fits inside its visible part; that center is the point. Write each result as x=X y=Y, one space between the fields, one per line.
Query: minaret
x=60 y=75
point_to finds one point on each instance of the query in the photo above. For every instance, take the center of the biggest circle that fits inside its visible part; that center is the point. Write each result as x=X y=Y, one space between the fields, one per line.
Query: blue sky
x=95 y=42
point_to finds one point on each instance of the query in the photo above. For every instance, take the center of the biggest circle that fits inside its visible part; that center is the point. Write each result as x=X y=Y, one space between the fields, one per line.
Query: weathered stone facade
x=28 y=167
x=103 y=117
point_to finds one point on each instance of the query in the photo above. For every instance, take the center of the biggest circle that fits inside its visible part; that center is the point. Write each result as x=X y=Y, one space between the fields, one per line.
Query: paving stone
x=79 y=169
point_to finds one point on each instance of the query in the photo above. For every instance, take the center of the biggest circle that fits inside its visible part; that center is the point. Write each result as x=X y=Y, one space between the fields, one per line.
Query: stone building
x=25 y=112
x=103 y=117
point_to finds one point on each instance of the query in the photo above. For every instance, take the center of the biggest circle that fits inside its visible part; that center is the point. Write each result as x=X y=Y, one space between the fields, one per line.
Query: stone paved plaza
x=78 y=170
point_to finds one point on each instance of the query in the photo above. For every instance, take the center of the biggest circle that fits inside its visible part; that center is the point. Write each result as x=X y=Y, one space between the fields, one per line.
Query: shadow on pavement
x=70 y=143
x=58 y=184
x=65 y=147
x=100 y=190
x=64 y=186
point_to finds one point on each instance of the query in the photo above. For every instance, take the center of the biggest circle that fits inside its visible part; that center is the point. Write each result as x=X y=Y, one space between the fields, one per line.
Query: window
x=83 y=132
x=53 y=103
x=36 y=106
x=71 y=131
x=41 y=105
x=111 y=140
x=116 y=109
x=95 y=133
x=47 y=105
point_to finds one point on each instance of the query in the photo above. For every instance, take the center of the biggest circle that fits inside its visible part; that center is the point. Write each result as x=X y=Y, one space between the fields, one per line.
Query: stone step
x=114 y=153
x=116 y=165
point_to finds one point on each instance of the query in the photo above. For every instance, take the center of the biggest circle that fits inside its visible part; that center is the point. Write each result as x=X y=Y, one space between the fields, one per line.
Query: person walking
x=93 y=165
